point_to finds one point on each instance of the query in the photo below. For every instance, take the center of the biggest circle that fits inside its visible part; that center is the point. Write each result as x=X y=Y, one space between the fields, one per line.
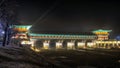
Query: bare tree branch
x=7 y=16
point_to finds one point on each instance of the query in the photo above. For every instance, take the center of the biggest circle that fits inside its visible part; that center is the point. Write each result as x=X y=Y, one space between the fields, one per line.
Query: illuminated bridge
x=95 y=39
x=63 y=36
x=60 y=40
x=63 y=40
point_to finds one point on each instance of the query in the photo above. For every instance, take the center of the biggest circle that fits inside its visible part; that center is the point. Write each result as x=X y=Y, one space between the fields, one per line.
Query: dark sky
x=70 y=15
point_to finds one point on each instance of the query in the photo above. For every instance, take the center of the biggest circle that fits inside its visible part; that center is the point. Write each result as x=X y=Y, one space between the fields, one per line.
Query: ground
x=22 y=57
x=85 y=58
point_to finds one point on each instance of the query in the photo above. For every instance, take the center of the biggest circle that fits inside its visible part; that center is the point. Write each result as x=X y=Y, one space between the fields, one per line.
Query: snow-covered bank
x=20 y=57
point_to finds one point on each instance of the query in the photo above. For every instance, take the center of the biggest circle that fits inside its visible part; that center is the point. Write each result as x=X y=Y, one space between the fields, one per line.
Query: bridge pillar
x=80 y=44
x=46 y=44
x=113 y=45
x=33 y=44
x=118 y=44
x=90 y=44
x=99 y=45
x=109 y=45
x=105 y=45
x=71 y=44
x=59 y=44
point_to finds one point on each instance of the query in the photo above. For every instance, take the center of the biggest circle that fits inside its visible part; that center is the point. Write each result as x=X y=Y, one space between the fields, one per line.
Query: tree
x=7 y=17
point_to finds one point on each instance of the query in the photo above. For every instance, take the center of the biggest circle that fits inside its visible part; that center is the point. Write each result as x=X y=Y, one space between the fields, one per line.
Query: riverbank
x=96 y=58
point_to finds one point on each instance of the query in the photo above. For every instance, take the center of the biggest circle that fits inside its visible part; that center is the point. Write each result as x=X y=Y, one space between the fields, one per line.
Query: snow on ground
x=21 y=57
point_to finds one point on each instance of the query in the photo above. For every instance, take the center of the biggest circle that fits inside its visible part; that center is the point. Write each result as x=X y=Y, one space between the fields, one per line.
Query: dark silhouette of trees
x=8 y=15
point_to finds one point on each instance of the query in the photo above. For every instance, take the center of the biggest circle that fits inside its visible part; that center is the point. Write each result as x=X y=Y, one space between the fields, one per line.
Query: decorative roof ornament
x=101 y=30
x=21 y=28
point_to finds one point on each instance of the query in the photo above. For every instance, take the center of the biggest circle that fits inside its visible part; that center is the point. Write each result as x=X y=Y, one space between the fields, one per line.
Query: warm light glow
x=81 y=44
x=90 y=44
x=35 y=49
x=70 y=45
x=118 y=41
x=26 y=42
x=58 y=45
x=46 y=45
x=32 y=43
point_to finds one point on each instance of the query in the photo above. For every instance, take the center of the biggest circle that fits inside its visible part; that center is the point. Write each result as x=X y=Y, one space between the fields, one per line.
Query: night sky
x=70 y=15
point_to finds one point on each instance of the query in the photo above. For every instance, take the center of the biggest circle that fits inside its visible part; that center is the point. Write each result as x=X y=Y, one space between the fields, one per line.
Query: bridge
x=62 y=40
x=48 y=40
x=95 y=39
